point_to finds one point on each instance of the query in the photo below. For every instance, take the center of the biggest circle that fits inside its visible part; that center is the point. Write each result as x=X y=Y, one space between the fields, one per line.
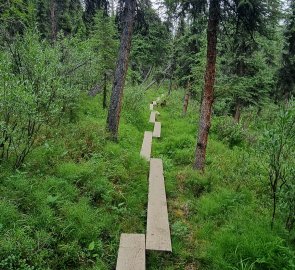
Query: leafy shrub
x=33 y=94
x=229 y=132
x=278 y=144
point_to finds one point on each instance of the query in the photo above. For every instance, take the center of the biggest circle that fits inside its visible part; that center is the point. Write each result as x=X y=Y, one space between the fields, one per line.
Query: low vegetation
x=76 y=81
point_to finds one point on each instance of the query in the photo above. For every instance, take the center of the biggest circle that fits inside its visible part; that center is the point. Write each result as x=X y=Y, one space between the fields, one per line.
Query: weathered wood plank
x=131 y=254
x=157 y=130
x=158 y=231
x=146 y=147
x=153 y=117
x=155 y=103
x=151 y=107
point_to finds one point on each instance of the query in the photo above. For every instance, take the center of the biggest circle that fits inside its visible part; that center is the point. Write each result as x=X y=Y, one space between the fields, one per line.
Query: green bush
x=229 y=132
x=34 y=94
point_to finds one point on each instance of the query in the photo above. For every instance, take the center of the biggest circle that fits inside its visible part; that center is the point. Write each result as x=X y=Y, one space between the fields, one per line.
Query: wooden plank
x=131 y=254
x=146 y=147
x=158 y=231
x=157 y=130
x=155 y=103
x=153 y=117
x=151 y=107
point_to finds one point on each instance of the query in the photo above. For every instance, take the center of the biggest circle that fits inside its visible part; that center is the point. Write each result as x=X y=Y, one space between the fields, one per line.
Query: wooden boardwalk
x=146 y=147
x=131 y=252
x=158 y=231
x=132 y=248
x=157 y=130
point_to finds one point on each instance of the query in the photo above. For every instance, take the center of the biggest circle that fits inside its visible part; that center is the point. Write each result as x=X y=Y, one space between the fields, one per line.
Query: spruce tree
x=104 y=42
x=286 y=82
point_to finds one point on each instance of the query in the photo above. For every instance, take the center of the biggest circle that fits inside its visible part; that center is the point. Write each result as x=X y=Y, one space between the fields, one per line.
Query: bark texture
x=208 y=95
x=121 y=68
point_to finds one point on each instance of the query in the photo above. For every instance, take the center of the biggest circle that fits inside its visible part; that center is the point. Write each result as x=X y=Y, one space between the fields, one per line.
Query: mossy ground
x=78 y=191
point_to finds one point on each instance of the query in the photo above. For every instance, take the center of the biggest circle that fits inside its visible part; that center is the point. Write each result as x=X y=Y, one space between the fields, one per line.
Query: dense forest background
x=70 y=174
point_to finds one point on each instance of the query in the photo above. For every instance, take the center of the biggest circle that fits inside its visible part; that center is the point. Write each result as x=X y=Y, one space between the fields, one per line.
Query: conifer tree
x=105 y=44
x=286 y=82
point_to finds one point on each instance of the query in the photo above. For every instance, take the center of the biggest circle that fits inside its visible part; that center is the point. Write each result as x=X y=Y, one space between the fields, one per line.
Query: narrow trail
x=132 y=249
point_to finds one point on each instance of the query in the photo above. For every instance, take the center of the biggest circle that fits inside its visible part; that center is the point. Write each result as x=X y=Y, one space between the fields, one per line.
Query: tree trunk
x=170 y=86
x=238 y=113
x=53 y=21
x=104 y=102
x=150 y=85
x=121 y=69
x=185 y=103
x=208 y=95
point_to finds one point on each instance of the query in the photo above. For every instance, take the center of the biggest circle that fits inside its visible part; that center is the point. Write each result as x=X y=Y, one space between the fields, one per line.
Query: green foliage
x=69 y=204
x=229 y=132
x=104 y=42
x=134 y=105
x=33 y=95
x=150 y=45
x=286 y=82
x=15 y=16
x=219 y=219
x=279 y=147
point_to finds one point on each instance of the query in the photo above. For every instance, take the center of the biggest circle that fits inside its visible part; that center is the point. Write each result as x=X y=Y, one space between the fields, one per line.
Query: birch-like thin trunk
x=185 y=103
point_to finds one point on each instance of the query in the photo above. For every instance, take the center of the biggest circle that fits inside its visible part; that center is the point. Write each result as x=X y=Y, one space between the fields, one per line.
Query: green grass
x=75 y=195
x=78 y=191
x=219 y=219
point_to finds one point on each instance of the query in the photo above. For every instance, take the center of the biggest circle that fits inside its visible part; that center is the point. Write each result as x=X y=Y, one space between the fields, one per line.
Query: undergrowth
x=77 y=192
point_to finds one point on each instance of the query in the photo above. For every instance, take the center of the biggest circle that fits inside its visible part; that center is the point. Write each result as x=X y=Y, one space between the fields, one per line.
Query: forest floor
x=78 y=191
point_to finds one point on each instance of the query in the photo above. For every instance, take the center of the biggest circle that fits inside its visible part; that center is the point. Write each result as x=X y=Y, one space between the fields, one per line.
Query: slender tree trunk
x=208 y=95
x=238 y=110
x=53 y=20
x=170 y=86
x=121 y=69
x=274 y=209
x=150 y=85
x=104 y=102
x=147 y=75
x=185 y=103
x=112 y=6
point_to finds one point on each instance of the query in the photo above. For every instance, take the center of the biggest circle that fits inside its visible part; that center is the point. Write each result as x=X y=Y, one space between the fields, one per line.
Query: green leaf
x=91 y=246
